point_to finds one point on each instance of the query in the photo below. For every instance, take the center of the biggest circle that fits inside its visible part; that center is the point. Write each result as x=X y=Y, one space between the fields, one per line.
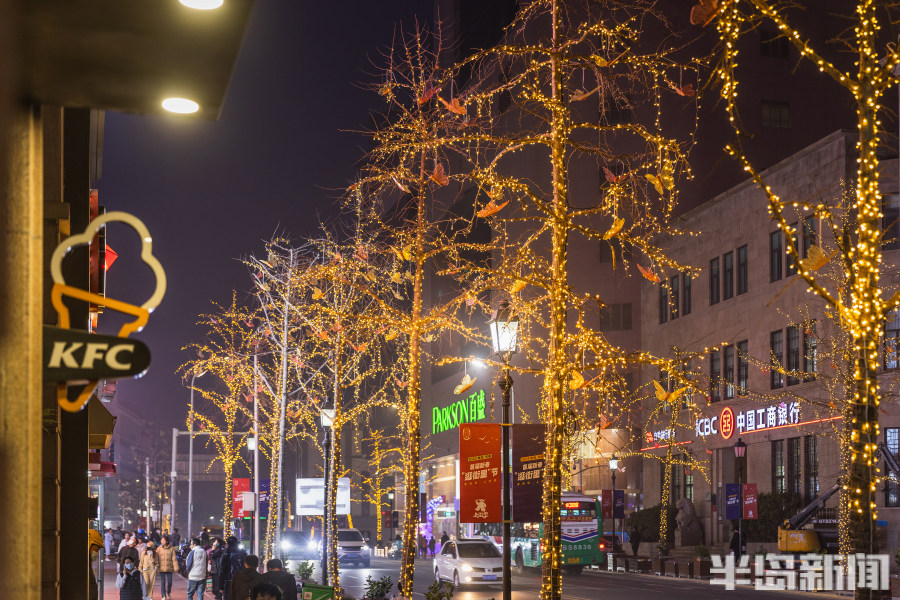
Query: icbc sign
x=726 y=423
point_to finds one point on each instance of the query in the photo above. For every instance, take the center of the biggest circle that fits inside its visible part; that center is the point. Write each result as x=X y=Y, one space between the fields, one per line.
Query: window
x=729 y=371
x=776 y=114
x=615 y=317
x=742 y=270
x=714 y=376
x=682 y=480
x=677 y=483
x=892 y=489
x=892 y=341
x=728 y=275
x=810 y=352
x=673 y=285
x=810 y=236
x=773 y=44
x=663 y=303
x=778 y=467
x=793 y=466
x=775 y=253
x=686 y=293
x=790 y=266
x=776 y=377
x=793 y=355
x=688 y=482
x=811 y=452
x=743 y=368
x=890 y=222
x=714 y=281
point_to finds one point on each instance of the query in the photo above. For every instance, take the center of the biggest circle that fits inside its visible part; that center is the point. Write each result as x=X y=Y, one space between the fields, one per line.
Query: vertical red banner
x=750 y=508
x=238 y=486
x=606 y=504
x=480 y=466
x=528 y=444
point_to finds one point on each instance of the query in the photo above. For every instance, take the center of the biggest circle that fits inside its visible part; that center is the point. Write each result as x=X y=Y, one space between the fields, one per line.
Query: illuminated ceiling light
x=182 y=106
x=202 y=4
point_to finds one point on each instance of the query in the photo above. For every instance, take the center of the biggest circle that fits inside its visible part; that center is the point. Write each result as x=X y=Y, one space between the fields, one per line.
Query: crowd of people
x=430 y=546
x=143 y=558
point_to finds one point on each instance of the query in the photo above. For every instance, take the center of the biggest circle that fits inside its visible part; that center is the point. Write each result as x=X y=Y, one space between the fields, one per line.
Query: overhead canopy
x=128 y=55
x=100 y=424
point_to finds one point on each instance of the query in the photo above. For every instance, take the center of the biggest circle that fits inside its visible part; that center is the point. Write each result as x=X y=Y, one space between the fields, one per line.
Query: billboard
x=311 y=496
x=528 y=442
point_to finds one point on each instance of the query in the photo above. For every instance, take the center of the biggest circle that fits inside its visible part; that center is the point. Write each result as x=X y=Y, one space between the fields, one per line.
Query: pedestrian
x=141 y=545
x=444 y=539
x=165 y=556
x=245 y=579
x=204 y=538
x=175 y=538
x=265 y=591
x=277 y=576
x=108 y=542
x=735 y=545
x=130 y=582
x=634 y=536
x=431 y=544
x=422 y=545
x=155 y=537
x=124 y=542
x=230 y=563
x=215 y=553
x=129 y=551
x=149 y=566
x=196 y=568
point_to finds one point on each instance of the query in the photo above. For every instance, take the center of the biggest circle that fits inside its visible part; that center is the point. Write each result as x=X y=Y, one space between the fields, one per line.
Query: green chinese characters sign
x=462 y=411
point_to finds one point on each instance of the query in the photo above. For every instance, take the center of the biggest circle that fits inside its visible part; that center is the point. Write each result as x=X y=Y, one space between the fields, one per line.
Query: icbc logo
x=726 y=423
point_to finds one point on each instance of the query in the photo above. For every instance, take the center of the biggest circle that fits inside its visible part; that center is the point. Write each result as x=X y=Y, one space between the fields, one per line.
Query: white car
x=352 y=547
x=469 y=562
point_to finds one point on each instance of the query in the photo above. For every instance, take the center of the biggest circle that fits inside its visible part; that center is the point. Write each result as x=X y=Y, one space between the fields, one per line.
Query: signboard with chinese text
x=480 y=463
x=528 y=442
x=750 y=509
x=732 y=501
x=238 y=487
x=461 y=411
x=618 y=504
x=606 y=504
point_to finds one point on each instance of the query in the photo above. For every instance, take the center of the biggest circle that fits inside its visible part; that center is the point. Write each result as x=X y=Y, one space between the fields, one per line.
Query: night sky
x=212 y=191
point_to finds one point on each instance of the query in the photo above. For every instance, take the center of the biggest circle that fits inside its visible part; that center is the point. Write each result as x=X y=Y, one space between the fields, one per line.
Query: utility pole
x=147 y=492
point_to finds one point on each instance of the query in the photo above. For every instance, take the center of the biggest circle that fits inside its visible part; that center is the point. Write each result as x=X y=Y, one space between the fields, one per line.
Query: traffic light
x=395 y=519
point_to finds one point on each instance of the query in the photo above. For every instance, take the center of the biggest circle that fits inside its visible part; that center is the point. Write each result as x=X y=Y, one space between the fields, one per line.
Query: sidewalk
x=111 y=592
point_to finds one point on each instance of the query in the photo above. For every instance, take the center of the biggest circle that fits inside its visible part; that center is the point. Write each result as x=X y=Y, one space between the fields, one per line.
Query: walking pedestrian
x=431 y=544
x=634 y=536
x=155 y=536
x=215 y=553
x=130 y=582
x=196 y=568
x=108 y=543
x=231 y=562
x=124 y=541
x=149 y=567
x=175 y=539
x=444 y=539
x=422 y=545
x=245 y=579
x=283 y=580
x=128 y=551
x=165 y=556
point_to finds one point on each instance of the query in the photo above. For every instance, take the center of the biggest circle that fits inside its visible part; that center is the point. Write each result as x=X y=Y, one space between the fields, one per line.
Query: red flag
x=480 y=467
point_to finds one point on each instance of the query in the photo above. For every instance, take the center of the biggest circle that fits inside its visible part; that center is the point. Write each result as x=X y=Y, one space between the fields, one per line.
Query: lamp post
x=613 y=467
x=255 y=449
x=504 y=328
x=326 y=414
x=191 y=457
x=740 y=448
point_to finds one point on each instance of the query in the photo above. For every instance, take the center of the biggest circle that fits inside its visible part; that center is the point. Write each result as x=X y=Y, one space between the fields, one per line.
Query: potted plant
x=702 y=563
x=658 y=562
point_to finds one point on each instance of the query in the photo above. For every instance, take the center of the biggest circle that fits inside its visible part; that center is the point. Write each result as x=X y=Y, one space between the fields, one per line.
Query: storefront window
x=778 y=466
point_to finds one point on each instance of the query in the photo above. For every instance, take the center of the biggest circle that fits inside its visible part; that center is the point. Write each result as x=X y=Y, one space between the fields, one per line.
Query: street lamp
x=191 y=456
x=326 y=414
x=740 y=448
x=504 y=326
x=613 y=467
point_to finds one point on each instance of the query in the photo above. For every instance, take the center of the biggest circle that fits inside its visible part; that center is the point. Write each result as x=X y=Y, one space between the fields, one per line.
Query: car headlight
x=312 y=544
x=285 y=545
x=241 y=546
x=466 y=568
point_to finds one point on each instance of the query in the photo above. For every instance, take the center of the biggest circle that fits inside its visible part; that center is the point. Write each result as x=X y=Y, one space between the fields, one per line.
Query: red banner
x=528 y=442
x=480 y=466
x=750 y=509
x=606 y=504
x=239 y=485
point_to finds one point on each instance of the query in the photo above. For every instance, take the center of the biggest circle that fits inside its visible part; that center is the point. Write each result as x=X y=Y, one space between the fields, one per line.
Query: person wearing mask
x=266 y=591
x=149 y=566
x=130 y=582
x=245 y=579
x=215 y=553
x=95 y=543
x=165 y=556
x=196 y=569
x=277 y=576
x=125 y=537
x=155 y=536
x=230 y=563
x=129 y=551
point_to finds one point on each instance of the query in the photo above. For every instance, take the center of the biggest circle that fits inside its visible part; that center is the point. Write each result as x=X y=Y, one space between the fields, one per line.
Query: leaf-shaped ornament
x=465 y=384
x=491 y=208
x=577 y=381
x=648 y=274
x=616 y=227
x=439 y=176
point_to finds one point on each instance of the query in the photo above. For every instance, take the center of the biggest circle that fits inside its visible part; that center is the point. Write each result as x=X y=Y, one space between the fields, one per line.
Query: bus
x=582 y=537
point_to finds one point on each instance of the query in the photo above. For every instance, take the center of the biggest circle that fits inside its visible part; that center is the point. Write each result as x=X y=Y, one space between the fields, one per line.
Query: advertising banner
x=528 y=443
x=606 y=504
x=480 y=464
x=750 y=509
x=311 y=497
x=732 y=501
x=263 y=498
x=618 y=504
x=238 y=487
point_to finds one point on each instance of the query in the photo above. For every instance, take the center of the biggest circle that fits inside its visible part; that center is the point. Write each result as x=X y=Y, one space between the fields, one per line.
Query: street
x=588 y=586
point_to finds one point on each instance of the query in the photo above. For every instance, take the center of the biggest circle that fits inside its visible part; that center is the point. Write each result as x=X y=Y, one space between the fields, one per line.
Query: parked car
x=352 y=547
x=465 y=562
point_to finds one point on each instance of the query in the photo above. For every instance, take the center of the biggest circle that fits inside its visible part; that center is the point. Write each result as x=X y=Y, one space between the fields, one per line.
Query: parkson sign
x=462 y=411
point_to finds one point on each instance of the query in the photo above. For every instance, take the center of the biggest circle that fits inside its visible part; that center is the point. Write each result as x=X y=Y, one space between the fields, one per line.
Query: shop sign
x=479 y=468
x=462 y=411
x=752 y=419
x=750 y=510
x=528 y=445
